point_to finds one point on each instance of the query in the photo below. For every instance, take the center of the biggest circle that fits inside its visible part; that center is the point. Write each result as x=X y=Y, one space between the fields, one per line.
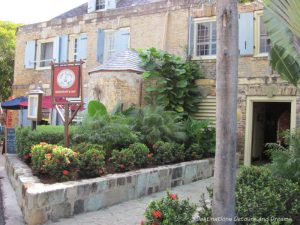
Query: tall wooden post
x=67 y=132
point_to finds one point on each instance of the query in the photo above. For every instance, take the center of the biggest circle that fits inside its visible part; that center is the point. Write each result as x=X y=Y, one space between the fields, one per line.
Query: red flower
x=150 y=155
x=173 y=196
x=122 y=166
x=57 y=160
x=62 y=153
x=29 y=154
x=65 y=172
x=156 y=214
x=142 y=222
x=48 y=155
x=26 y=156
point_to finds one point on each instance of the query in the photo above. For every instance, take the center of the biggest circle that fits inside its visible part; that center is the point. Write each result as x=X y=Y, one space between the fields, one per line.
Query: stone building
x=99 y=29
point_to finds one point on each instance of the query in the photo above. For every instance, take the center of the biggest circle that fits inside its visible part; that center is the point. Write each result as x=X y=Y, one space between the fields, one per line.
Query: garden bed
x=42 y=202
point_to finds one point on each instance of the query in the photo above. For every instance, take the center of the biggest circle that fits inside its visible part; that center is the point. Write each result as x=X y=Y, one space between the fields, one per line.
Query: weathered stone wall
x=42 y=202
x=113 y=87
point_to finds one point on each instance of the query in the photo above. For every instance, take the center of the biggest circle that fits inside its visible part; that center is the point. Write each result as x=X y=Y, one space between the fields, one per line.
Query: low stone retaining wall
x=42 y=202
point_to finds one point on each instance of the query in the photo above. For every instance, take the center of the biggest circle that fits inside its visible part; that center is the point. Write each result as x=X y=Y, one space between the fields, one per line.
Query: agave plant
x=282 y=21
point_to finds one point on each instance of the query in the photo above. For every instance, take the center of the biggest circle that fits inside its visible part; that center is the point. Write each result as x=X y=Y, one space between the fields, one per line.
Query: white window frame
x=71 y=47
x=109 y=35
x=257 y=19
x=102 y=8
x=196 y=22
x=38 y=53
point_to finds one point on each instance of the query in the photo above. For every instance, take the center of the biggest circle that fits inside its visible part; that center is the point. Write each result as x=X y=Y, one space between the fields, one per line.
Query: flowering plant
x=169 y=211
x=92 y=162
x=54 y=161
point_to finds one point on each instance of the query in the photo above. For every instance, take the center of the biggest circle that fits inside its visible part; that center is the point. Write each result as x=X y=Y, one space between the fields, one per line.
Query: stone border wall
x=42 y=202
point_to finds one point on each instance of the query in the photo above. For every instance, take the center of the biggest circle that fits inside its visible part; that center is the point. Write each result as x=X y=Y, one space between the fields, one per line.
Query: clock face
x=65 y=78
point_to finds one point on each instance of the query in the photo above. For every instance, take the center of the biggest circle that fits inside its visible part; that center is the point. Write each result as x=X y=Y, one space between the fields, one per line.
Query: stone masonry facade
x=160 y=24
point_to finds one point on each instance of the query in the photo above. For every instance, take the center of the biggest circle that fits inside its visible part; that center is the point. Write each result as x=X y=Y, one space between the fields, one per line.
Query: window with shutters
x=73 y=48
x=116 y=41
x=100 y=4
x=45 y=49
x=205 y=38
x=261 y=37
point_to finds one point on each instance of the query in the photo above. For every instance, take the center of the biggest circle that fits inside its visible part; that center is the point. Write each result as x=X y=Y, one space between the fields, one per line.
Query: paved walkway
x=131 y=212
x=12 y=212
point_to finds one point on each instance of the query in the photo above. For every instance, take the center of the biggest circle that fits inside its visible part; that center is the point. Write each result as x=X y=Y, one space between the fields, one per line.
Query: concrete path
x=131 y=212
x=12 y=212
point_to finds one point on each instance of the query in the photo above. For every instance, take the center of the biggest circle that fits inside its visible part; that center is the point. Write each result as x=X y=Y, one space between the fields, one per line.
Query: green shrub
x=173 y=81
x=25 y=138
x=156 y=124
x=84 y=147
x=111 y=132
x=201 y=141
x=169 y=211
x=286 y=160
x=92 y=163
x=122 y=160
x=168 y=152
x=135 y=156
x=141 y=153
x=261 y=195
x=54 y=161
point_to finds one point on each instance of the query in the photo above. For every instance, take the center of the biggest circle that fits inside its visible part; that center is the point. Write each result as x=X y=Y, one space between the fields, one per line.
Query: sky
x=34 y=11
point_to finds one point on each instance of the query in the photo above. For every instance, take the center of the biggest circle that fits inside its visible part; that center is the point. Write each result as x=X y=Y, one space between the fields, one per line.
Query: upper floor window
x=262 y=40
x=100 y=4
x=46 y=54
x=73 y=47
x=206 y=39
x=263 y=37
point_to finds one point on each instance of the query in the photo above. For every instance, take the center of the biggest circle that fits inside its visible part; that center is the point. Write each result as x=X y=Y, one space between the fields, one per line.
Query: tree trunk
x=223 y=210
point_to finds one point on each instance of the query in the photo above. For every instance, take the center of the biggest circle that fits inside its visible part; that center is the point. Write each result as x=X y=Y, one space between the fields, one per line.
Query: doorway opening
x=269 y=120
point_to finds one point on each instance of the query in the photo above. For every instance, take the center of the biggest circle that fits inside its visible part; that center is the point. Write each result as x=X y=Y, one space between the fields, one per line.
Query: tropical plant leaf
x=286 y=66
x=282 y=21
x=96 y=108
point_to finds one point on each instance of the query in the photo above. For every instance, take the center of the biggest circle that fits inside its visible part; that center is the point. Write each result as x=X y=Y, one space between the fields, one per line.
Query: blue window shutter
x=246 y=30
x=191 y=37
x=122 y=40
x=63 y=48
x=100 y=45
x=91 y=6
x=29 y=58
x=56 y=49
x=82 y=46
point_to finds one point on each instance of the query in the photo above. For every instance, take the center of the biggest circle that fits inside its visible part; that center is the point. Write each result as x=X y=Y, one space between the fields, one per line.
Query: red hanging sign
x=66 y=81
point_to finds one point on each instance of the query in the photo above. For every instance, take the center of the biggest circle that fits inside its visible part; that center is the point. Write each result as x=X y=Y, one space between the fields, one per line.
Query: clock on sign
x=66 y=81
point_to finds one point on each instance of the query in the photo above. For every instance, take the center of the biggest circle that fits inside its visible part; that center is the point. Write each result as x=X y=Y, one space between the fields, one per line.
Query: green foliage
x=122 y=160
x=84 y=146
x=140 y=152
x=173 y=81
x=259 y=195
x=168 y=152
x=54 y=161
x=169 y=211
x=286 y=160
x=25 y=138
x=7 y=55
x=135 y=156
x=282 y=18
x=201 y=140
x=92 y=162
x=111 y=132
x=155 y=124
x=96 y=108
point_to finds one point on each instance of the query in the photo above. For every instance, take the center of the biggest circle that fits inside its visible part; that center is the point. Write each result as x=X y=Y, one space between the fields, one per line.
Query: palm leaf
x=286 y=66
x=282 y=21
